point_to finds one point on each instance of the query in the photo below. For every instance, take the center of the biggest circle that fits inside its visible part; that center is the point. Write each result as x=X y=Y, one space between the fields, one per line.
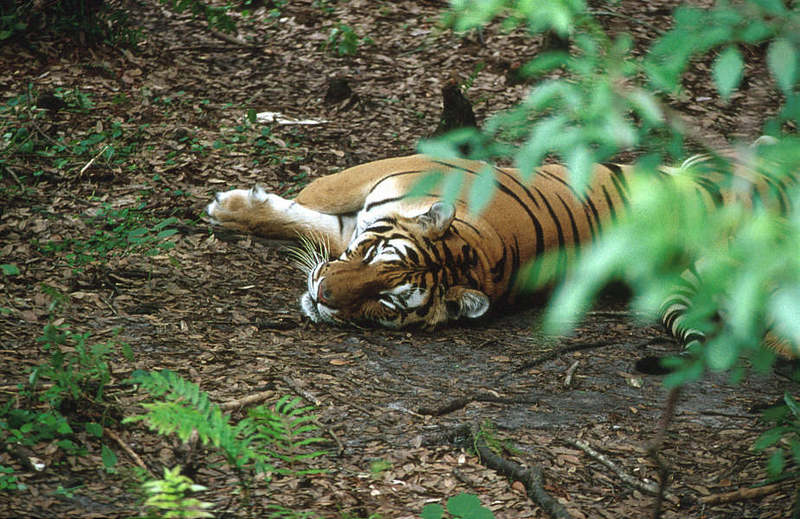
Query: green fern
x=266 y=435
x=168 y=496
x=186 y=408
x=284 y=430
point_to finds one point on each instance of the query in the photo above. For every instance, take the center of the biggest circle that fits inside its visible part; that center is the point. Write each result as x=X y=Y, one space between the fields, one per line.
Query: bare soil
x=222 y=309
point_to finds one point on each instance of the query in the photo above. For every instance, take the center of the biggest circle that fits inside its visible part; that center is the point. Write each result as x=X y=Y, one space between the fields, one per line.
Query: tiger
x=393 y=260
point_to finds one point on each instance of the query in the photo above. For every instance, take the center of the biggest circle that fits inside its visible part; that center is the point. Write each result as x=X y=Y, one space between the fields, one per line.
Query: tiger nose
x=323 y=293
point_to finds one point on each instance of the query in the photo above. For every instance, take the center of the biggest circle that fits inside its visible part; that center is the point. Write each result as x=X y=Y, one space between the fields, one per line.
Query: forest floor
x=139 y=138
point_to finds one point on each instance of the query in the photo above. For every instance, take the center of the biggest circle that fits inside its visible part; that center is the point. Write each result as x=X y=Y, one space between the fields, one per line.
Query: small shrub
x=343 y=40
x=168 y=496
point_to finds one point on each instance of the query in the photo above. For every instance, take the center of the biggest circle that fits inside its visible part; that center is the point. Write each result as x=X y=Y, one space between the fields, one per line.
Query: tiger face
x=394 y=274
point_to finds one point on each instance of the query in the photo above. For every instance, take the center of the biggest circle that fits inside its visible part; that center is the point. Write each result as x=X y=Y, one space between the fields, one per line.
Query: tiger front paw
x=244 y=209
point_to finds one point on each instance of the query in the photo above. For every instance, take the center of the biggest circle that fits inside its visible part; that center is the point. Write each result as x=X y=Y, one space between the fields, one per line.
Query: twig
x=655 y=447
x=644 y=486
x=532 y=479
x=247 y=400
x=135 y=457
x=91 y=161
x=300 y=391
x=15 y=177
x=461 y=402
x=553 y=354
x=740 y=494
x=570 y=372
x=230 y=39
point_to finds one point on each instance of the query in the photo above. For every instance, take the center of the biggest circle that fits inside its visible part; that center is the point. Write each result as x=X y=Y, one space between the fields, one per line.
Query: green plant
x=378 y=467
x=343 y=40
x=76 y=369
x=168 y=496
x=461 y=506
x=216 y=16
x=8 y=481
x=605 y=99
x=9 y=269
x=62 y=395
x=252 y=445
x=784 y=436
x=117 y=232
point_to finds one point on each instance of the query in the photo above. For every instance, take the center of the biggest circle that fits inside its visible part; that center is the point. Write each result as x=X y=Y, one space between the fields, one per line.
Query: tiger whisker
x=311 y=250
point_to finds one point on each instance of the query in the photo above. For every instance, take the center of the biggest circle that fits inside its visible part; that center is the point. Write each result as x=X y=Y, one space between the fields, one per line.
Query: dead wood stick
x=532 y=477
x=740 y=494
x=554 y=354
x=654 y=449
x=570 y=373
x=124 y=446
x=229 y=38
x=247 y=400
x=91 y=161
x=300 y=391
x=15 y=177
x=644 y=486
x=461 y=402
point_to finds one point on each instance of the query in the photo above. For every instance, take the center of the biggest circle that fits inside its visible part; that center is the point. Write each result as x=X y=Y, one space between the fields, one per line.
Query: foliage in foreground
x=610 y=100
x=600 y=99
x=167 y=497
x=270 y=440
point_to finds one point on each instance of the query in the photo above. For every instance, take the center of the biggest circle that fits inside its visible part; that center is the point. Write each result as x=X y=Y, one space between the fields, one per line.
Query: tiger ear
x=465 y=302
x=437 y=220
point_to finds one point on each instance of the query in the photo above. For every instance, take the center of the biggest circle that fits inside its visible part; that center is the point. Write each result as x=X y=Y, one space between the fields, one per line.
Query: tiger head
x=397 y=272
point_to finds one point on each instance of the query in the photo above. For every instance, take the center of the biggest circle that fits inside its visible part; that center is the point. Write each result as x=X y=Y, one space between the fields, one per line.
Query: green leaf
x=9 y=269
x=482 y=190
x=769 y=437
x=468 y=506
x=776 y=463
x=721 y=355
x=782 y=63
x=451 y=186
x=426 y=184
x=727 y=71
x=252 y=116
x=432 y=511
x=95 y=429
x=792 y=404
x=109 y=458
x=580 y=162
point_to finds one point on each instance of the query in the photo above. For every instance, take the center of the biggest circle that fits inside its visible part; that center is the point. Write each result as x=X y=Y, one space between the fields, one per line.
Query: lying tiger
x=402 y=261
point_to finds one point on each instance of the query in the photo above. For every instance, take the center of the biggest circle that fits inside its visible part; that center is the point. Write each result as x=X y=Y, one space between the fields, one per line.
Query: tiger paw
x=246 y=209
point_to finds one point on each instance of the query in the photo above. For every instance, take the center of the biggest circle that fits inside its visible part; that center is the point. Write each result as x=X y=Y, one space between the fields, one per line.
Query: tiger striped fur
x=401 y=261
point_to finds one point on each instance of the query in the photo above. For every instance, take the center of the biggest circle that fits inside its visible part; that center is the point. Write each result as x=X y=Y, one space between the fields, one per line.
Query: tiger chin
x=375 y=256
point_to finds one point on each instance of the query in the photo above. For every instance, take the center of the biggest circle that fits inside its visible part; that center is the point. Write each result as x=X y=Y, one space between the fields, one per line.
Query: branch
x=461 y=402
x=124 y=446
x=644 y=486
x=740 y=494
x=463 y=436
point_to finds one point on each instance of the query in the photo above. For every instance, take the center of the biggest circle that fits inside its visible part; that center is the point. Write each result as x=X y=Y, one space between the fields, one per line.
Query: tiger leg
x=266 y=214
x=673 y=316
x=674 y=308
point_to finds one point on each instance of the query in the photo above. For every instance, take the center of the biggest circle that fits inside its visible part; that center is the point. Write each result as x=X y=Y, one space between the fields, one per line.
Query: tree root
x=464 y=436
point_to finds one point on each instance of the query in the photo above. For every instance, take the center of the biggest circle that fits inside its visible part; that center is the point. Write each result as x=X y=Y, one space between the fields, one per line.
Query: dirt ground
x=222 y=309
